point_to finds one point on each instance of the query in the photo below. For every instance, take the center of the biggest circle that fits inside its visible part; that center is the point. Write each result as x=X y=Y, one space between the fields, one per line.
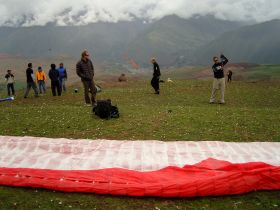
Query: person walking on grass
x=41 y=80
x=156 y=76
x=54 y=77
x=30 y=81
x=62 y=76
x=85 y=70
x=219 y=78
x=10 y=80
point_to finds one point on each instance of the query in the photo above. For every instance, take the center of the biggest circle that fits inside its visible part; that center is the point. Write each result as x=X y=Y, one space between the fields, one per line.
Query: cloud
x=81 y=12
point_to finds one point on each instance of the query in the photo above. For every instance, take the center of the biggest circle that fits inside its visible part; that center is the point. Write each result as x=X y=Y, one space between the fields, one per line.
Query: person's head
x=29 y=65
x=39 y=68
x=85 y=55
x=61 y=65
x=153 y=60
x=215 y=59
x=9 y=71
x=53 y=66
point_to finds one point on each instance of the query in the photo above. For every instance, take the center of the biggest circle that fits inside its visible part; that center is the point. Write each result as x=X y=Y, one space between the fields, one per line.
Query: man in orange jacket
x=41 y=80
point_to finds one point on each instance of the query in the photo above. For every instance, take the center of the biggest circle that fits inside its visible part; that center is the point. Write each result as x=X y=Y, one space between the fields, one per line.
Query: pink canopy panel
x=140 y=168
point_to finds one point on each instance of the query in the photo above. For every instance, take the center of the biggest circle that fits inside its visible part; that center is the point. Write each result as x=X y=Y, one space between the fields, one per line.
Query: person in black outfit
x=156 y=76
x=10 y=79
x=54 y=77
x=219 y=78
x=229 y=74
x=30 y=81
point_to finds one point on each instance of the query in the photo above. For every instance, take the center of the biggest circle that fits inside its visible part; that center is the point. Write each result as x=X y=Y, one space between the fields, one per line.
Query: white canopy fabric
x=65 y=154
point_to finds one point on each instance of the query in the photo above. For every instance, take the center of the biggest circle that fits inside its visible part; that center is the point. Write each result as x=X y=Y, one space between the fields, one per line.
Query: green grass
x=263 y=72
x=181 y=112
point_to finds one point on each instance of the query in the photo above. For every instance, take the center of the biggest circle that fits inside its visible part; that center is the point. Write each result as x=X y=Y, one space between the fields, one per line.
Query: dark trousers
x=55 y=85
x=10 y=88
x=89 y=87
x=229 y=79
x=155 y=83
x=29 y=86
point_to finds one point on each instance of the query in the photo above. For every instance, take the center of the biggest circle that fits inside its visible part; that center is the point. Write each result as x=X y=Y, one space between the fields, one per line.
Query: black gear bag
x=105 y=110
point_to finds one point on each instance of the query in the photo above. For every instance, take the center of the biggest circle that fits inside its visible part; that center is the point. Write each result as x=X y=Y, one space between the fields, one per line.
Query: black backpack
x=105 y=110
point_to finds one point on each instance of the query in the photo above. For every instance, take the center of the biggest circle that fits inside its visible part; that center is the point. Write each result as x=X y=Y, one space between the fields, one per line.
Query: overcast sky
x=80 y=12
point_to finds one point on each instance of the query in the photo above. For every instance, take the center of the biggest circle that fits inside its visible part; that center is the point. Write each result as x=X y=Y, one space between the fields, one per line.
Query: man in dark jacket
x=219 y=78
x=85 y=71
x=54 y=77
x=156 y=76
x=30 y=81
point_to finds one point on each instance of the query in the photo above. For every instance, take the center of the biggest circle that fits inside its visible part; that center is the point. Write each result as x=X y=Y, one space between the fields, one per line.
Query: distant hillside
x=104 y=40
x=171 y=39
x=254 y=44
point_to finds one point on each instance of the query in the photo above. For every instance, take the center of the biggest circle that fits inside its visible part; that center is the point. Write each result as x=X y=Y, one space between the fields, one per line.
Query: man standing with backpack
x=85 y=71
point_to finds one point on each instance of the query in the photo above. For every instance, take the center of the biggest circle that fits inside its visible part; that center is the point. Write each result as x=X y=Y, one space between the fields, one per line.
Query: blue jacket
x=62 y=73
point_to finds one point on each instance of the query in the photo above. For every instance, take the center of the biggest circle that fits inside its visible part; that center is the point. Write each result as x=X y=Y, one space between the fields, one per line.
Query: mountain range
x=173 y=40
x=259 y=43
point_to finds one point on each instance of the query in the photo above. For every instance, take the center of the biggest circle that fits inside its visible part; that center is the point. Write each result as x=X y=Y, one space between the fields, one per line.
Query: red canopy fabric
x=139 y=168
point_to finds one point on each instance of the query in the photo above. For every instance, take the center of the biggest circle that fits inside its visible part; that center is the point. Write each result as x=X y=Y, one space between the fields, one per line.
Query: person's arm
x=50 y=75
x=37 y=74
x=214 y=68
x=157 y=69
x=44 y=76
x=224 y=60
x=65 y=73
x=79 y=70
x=13 y=78
x=6 y=77
x=92 y=67
x=32 y=75
x=57 y=75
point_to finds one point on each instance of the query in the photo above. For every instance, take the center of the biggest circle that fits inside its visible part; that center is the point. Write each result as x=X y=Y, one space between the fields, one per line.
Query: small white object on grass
x=169 y=80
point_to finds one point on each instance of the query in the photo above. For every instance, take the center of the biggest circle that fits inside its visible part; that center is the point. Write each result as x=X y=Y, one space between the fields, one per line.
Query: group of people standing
x=58 y=76
x=85 y=70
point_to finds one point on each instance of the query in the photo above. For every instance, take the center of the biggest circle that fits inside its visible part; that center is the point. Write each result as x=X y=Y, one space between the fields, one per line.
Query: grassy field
x=181 y=112
x=263 y=72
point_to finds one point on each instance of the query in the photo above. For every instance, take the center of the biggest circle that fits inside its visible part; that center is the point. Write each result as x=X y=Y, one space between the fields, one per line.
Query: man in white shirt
x=10 y=80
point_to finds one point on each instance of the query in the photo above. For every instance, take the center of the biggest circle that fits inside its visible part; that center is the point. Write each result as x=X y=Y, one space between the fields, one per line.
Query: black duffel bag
x=105 y=110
